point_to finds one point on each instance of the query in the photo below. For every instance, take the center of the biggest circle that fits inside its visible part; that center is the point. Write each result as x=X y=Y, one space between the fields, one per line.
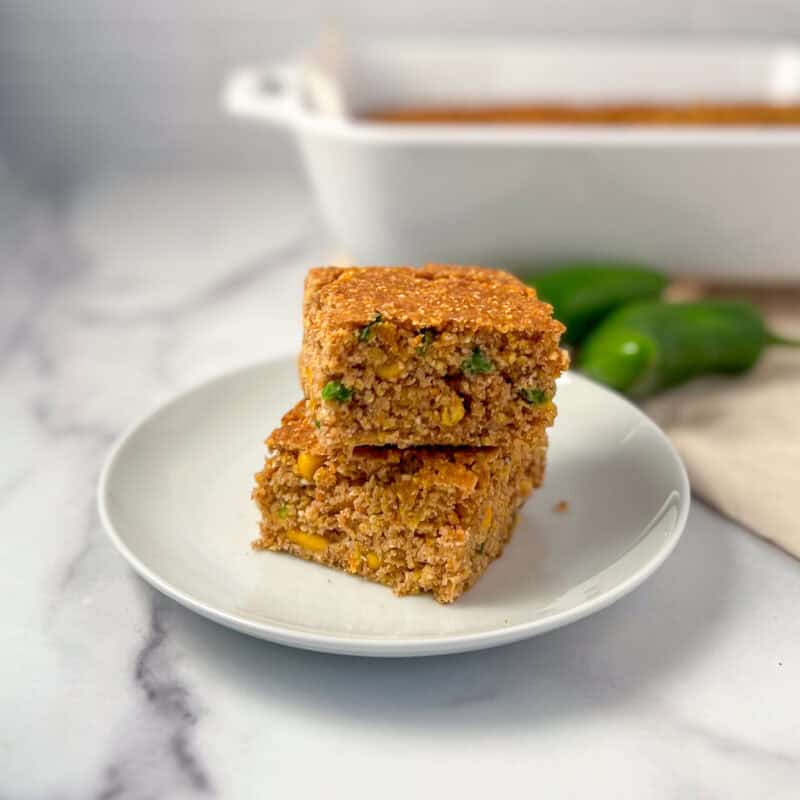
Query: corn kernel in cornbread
x=440 y=355
x=389 y=371
x=418 y=519
x=453 y=412
x=308 y=464
x=308 y=541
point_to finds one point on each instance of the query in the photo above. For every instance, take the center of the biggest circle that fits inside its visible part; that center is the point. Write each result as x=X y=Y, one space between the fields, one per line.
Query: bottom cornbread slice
x=426 y=519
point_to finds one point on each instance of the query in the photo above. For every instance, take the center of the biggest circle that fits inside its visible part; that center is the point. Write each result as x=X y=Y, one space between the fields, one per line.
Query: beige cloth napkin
x=740 y=436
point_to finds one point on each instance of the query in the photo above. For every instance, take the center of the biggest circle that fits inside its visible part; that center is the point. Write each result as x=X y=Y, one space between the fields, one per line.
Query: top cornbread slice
x=441 y=355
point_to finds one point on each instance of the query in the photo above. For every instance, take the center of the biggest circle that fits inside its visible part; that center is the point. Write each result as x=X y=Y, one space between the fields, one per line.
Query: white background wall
x=93 y=82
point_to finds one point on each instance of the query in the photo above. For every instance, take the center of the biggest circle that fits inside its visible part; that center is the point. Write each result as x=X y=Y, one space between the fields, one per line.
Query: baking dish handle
x=268 y=93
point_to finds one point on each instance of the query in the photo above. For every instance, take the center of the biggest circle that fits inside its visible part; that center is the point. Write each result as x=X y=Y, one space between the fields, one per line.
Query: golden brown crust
x=295 y=432
x=447 y=297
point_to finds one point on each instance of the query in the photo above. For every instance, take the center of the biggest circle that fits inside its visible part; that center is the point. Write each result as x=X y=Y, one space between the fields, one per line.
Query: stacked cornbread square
x=428 y=395
x=432 y=356
x=416 y=519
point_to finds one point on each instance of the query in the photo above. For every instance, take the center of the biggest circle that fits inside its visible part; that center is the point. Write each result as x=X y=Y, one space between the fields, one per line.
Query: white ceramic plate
x=174 y=496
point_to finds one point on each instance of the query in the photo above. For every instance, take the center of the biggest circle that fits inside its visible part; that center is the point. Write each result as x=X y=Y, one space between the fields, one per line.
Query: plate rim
x=365 y=644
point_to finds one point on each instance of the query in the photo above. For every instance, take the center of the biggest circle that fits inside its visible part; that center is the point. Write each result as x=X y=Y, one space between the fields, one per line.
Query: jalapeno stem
x=780 y=341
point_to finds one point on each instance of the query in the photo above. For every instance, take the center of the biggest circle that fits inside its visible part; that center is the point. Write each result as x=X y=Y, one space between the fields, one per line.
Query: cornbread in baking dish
x=417 y=520
x=709 y=112
x=441 y=355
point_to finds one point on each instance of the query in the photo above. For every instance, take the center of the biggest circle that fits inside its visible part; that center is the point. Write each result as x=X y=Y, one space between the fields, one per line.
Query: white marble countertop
x=132 y=288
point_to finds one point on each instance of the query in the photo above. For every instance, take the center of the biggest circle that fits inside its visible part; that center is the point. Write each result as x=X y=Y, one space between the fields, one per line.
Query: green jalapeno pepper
x=582 y=294
x=648 y=346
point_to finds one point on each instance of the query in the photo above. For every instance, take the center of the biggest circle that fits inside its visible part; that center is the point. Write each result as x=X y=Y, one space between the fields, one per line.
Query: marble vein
x=731 y=746
x=164 y=765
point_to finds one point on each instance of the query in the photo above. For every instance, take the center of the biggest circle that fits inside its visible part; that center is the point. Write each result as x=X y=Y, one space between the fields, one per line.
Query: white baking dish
x=705 y=201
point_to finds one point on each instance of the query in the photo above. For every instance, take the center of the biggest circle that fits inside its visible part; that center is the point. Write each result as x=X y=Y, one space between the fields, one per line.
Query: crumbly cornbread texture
x=417 y=519
x=441 y=355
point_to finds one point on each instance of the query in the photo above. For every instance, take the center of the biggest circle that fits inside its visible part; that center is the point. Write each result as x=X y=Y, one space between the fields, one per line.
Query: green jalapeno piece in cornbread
x=477 y=363
x=336 y=391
